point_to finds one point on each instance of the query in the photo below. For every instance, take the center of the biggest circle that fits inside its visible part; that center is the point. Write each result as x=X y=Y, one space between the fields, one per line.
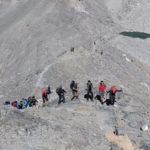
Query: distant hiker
x=29 y=101
x=72 y=49
x=61 y=93
x=44 y=96
x=75 y=90
x=24 y=102
x=7 y=103
x=101 y=88
x=89 y=90
x=94 y=43
x=101 y=52
x=14 y=104
x=20 y=105
x=48 y=90
x=112 y=93
x=34 y=102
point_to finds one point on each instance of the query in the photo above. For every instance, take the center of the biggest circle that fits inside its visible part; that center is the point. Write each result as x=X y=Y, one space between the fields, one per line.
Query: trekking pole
x=122 y=93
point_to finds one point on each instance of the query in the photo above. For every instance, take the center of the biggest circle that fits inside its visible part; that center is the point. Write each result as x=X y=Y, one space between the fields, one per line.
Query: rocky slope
x=35 y=39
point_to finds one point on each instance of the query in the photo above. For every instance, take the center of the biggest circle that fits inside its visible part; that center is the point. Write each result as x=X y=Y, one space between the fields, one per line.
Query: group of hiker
x=31 y=102
x=102 y=89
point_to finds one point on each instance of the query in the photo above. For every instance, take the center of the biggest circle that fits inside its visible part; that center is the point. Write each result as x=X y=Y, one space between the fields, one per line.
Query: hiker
x=112 y=93
x=101 y=88
x=29 y=101
x=20 y=105
x=14 y=104
x=24 y=102
x=44 y=96
x=48 y=90
x=89 y=90
x=75 y=90
x=72 y=49
x=7 y=103
x=61 y=93
x=101 y=52
x=34 y=102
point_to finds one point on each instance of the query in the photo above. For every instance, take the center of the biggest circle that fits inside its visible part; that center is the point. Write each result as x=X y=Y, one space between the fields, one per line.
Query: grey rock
x=119 y=131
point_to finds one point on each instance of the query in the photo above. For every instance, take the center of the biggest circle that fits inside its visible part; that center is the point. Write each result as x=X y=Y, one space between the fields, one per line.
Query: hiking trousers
x=88 y=95
x=112 y=98
x=61 y=99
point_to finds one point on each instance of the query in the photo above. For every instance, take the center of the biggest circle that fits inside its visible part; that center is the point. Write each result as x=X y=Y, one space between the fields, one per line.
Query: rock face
x=35 y=41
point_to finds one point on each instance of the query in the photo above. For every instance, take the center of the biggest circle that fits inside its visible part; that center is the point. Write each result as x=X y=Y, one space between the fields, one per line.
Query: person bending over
x=112 y=94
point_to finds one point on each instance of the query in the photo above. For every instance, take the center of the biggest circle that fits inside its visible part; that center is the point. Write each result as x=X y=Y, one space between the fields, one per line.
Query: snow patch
x=127 y=59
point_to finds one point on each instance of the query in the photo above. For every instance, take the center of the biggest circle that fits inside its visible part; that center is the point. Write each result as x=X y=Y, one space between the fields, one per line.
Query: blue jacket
x=25 y=103
x=18 y=105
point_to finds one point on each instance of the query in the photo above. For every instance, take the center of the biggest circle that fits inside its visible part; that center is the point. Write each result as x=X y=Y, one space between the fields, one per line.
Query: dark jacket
x=88 y=87
x=61 y=91
x=115 y=92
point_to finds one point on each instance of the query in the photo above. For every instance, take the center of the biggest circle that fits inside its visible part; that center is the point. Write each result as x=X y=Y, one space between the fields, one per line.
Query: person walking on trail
x=72 y=49
x=34 y=102
x=75 y=91
x=61 y=93
x=89 y=90
x=44 y=96
x=101 y=52
x=112 y=93
x=101 y=88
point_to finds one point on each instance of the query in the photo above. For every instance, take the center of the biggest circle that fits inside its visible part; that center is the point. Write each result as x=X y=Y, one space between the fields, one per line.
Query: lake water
x=140 y=35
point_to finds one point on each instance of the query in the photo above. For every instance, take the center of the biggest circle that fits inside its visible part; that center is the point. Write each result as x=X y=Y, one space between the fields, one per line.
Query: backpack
x=43 y=91
x=72 y=84
x=29 y=101
x=113 y=89
x=7 y=103
x=14 y=104
x=58 y=89
x=49 y=89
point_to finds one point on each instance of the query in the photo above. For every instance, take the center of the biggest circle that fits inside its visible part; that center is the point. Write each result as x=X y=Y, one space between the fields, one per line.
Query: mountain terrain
x=35 y=41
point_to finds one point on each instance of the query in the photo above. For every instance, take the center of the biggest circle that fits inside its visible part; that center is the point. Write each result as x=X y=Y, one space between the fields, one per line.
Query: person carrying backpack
x=14 y=104
x=101 y=88
x=34 y=102
x=29 y=101
x=75 y=91
x=20 y=105
x=112 y=93
x=24 y=102
x=89 y=90
x=101 y=52
x=44 y=97
x=61 y=93
x=7 y=103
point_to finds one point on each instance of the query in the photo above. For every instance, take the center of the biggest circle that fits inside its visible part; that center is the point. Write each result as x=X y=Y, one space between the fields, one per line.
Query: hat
x=33 y=96
x=63 y=88
x=89 y=81
x=22 y=99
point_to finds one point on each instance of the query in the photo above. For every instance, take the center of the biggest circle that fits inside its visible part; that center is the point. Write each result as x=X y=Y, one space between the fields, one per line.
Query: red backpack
x=113 y=89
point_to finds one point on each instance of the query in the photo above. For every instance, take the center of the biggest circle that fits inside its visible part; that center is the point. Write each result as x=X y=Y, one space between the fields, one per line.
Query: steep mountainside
x=35 y=41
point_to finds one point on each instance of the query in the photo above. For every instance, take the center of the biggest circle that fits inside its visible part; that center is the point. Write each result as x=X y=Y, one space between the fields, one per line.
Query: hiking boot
x=102 y=103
